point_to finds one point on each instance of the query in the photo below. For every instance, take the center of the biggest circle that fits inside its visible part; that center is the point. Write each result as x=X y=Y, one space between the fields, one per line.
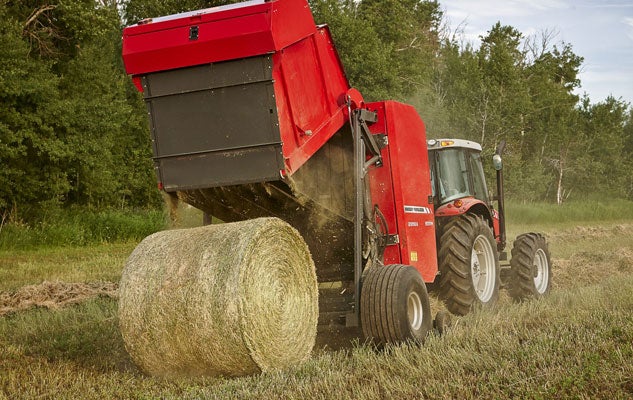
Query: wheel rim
x=415 y=311
x=482 y=268
x=541 y=271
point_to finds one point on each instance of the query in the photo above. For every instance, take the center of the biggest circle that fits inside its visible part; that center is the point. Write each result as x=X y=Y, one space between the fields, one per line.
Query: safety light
x=445 y=143
x=458 y=203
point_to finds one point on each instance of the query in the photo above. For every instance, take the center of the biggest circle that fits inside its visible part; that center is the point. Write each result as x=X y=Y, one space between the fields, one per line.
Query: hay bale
x=231 y=299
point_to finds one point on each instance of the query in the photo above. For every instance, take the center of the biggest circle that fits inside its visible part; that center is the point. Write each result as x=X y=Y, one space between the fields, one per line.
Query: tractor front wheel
x=468 y=264
x=530 y=272
x=394 y=305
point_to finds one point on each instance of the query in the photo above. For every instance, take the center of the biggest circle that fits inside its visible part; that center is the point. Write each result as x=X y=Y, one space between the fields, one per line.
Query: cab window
x=452 y=176
x=479 y=180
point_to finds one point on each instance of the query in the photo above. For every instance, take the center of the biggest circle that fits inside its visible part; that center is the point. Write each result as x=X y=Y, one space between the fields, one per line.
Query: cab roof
x=437 y=144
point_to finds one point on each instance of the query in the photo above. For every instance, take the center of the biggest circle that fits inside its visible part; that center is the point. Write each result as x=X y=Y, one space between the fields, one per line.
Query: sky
x=599 y=31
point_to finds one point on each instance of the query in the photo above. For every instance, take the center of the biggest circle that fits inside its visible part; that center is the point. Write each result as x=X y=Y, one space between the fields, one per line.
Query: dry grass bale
x=54 y=295
x=231 y=299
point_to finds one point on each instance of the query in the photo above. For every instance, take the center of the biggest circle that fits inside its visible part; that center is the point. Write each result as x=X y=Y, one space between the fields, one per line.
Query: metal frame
x=363 y=141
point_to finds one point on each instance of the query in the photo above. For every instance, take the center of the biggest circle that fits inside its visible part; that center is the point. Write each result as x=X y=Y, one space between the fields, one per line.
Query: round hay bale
x=231 y=299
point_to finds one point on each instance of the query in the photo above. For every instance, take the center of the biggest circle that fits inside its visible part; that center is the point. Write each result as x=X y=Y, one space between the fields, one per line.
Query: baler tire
x=459 y=283
x=530 y=272
x=394 y=305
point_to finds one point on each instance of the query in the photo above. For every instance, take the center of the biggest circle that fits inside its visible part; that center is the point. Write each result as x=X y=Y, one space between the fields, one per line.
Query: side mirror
x=496 y=162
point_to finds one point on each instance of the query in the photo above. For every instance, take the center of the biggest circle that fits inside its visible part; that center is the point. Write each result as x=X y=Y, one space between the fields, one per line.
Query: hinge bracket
x=392 y=240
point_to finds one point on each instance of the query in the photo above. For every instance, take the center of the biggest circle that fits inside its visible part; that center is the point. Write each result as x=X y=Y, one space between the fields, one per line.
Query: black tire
x=530 y=272
x=460 y=285
x=394 y=305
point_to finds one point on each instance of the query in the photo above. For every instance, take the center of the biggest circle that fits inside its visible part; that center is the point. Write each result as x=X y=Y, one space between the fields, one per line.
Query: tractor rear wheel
x=530 y=272
x=468 y=264
x=394 y=305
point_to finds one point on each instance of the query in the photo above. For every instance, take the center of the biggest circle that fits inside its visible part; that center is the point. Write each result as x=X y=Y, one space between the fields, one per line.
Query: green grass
x=81 y=228
x=80 y=247
x=578 y=212
x=99 y=262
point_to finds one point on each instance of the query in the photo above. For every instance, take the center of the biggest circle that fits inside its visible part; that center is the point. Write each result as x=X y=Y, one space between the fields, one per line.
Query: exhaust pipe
x=498 y=165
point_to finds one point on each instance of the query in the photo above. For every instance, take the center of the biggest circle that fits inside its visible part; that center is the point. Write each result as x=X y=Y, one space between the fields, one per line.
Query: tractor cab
x=456 y=171
x=459 y=184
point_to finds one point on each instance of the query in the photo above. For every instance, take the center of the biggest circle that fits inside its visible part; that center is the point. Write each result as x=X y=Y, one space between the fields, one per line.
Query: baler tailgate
x=214 y=124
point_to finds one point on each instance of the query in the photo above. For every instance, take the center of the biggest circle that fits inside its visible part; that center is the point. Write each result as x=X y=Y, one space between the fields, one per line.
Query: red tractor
x=471 y=233
x=251 y=116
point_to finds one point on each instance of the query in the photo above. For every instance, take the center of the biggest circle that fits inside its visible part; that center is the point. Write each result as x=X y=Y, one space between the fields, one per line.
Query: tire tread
x=455 y=283
x=521 y=283
x=382 y=303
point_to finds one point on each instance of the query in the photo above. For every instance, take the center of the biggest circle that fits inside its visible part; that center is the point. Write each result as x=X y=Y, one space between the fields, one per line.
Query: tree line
x=74 y=131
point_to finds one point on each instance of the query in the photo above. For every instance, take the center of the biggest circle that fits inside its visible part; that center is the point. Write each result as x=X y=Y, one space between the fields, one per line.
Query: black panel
x=215 y=124
x=209 y=76
x=194 y=172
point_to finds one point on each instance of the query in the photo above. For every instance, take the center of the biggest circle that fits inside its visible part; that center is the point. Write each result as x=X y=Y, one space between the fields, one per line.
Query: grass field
x=577 y=343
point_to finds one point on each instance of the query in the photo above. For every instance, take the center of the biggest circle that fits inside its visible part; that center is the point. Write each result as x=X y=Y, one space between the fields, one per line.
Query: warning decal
x=417 y=210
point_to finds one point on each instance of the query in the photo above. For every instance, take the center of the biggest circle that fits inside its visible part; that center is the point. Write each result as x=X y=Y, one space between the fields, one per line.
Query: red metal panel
x=310 y=89
x=290 y=21
x=207 y=15
x=333 y=74
x=224 y=33
x=464 y=205
x=381 y=186
x=218 y=41
x=412 y=188
x=495 y=225
x=458 y=207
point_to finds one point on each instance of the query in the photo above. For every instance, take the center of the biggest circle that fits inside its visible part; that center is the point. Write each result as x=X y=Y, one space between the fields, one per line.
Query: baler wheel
x=468 y=264
x=530 y=272
x=394 y=305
